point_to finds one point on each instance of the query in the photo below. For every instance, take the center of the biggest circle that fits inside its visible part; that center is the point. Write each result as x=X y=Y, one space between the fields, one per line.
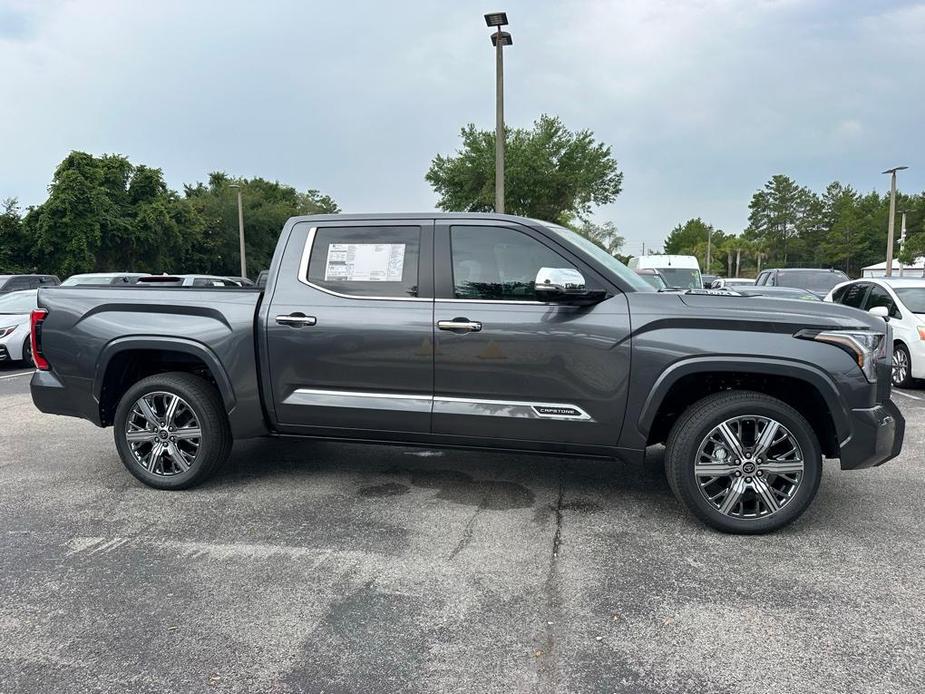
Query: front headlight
x=864 y=346
x=7 y=331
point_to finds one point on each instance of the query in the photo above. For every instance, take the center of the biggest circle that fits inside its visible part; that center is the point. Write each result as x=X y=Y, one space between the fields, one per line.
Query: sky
x=702 y=101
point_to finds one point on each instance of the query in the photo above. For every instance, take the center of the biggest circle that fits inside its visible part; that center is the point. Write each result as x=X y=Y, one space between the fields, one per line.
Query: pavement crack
x=557 y=538
x=548 y=656
x=466 y=536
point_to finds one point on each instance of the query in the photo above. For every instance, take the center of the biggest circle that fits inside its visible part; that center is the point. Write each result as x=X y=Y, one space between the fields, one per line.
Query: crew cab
x=477 y=331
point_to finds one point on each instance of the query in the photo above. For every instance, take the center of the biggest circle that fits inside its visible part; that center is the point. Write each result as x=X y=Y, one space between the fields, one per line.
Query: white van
x=678 y=271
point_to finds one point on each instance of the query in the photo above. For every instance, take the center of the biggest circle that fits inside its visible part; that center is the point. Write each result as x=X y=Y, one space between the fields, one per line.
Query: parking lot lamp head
x=496 y=19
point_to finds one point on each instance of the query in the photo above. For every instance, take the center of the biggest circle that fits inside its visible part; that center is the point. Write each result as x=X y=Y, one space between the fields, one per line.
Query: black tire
x=695 y=425
x=206 y=406
x=27 y=352
x=900 y=352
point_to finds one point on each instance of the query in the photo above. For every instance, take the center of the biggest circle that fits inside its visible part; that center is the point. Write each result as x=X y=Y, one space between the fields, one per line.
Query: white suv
x=902 y=302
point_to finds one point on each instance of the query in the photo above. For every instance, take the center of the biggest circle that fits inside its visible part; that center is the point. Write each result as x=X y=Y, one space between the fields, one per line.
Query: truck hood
x=772 y=314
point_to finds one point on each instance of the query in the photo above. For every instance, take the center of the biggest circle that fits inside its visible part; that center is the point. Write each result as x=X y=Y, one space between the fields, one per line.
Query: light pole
x=499 y=39
x=709 y=244
x=237 y=187
x=892 y=222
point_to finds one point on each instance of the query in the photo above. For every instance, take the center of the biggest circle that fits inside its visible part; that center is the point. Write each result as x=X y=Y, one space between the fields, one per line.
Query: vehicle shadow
x=486 y=478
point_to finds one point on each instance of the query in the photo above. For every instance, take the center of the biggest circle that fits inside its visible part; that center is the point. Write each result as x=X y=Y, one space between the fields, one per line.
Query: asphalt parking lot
x=322 y=567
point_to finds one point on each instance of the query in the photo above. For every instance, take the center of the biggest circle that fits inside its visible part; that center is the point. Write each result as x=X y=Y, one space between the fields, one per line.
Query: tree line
x=104 y=213
x=790 y=225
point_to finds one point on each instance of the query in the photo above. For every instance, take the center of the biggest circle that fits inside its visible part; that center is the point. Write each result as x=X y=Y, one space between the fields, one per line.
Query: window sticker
x=365 y=262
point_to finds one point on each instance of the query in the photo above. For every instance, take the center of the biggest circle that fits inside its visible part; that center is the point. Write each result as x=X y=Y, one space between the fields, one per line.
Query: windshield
x=912 y=297
x=601 y=256
x=813 y=280
x=681 y=277
x=18 y=302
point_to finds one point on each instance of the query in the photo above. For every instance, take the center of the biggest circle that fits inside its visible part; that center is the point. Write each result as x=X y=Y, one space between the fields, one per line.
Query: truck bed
x=88 y=327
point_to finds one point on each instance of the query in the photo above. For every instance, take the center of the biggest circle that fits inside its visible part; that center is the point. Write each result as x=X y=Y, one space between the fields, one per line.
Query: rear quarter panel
x=87 y=326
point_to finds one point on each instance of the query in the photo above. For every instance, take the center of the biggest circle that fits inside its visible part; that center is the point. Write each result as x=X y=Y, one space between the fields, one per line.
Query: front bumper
x=876 y=436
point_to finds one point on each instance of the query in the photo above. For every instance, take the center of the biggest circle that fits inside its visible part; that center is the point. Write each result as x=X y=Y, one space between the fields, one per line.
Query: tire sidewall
x=211 y=441
x=685 y=485
x=908 y=380
x=27 y=352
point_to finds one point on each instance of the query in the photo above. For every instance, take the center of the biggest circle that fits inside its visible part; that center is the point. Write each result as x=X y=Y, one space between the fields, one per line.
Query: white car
x=15 y=313
x=731 y=283
x=902 y=302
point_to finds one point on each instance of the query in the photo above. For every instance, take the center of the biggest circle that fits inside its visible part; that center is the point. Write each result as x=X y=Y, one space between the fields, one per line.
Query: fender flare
x=812 y=375
x=172 y=344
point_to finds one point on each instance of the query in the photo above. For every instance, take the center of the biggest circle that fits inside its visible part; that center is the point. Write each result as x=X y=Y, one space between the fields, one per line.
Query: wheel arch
x=806 y=388
x=125 y=361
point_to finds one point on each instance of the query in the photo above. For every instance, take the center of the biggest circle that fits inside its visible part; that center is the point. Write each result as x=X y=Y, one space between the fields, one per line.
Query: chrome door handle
x=461 y=324
x=296 y=320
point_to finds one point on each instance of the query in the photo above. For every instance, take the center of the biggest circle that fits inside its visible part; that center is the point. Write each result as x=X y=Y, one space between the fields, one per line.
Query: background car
x=708 y=280
x=653 y=277
x=15 y=312
x=189 y=281
x=819 y=281
x=678 y=271
x=103 y=279
x=15 y=283
x=776 y=293
x=731 y=282
x=902 y=302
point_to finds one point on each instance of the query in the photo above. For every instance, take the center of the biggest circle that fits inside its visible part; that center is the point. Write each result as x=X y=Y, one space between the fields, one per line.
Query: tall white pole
x=499 y=124
x=241 y=235
x=892 y=223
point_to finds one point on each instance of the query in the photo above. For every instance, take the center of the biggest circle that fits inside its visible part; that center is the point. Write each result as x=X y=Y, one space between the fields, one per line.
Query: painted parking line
x=908 y=395
x=24 y=373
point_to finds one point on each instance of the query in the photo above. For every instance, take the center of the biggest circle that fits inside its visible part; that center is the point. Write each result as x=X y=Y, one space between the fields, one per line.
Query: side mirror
x=565 y=285
x=881 y=311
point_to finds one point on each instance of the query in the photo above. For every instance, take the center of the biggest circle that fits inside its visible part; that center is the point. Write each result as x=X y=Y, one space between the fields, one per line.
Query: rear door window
x=854 y=294
x=374 y=261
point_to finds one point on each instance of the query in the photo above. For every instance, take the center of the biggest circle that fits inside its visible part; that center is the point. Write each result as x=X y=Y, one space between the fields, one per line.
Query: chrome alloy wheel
x=900 y=366
x=163 y=433
x=749 y=467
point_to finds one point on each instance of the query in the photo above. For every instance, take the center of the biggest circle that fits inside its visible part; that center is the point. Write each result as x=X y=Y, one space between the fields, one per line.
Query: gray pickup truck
x=477 y=331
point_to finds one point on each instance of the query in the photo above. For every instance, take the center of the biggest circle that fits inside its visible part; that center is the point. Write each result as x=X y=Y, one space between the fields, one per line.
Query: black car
x=15 y=283
x=819 y=281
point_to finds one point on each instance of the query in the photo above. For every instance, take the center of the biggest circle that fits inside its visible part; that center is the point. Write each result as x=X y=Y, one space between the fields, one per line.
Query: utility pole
x=241 y=230
x=709 y=249
x=738 y=260
x=892 y=222
x=499 y=39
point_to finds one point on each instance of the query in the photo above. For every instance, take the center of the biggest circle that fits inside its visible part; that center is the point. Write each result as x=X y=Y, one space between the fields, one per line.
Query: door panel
x=532 y=371
x=343 y=359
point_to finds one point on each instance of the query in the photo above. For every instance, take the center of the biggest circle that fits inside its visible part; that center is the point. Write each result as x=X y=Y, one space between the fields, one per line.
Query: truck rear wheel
x=743 y=462
x=171 y=430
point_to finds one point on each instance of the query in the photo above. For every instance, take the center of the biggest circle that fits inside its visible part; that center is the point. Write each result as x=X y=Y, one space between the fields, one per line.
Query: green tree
x=551 y=172
x=14 y=248
x=266 y=204
x=780 y=213
x=604 y=235
x=685 y=238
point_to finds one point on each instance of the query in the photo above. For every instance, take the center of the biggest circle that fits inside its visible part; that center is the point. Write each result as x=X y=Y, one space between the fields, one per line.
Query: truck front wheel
x=743 y=462
x=171 y=430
